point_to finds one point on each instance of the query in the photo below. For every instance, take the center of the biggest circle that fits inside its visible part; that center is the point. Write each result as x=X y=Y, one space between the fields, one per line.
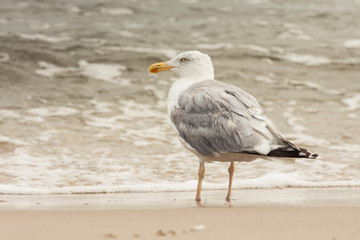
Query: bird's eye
x=184 y=60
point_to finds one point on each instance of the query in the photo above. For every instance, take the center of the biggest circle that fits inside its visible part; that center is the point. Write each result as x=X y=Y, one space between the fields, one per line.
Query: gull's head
x=191 y=64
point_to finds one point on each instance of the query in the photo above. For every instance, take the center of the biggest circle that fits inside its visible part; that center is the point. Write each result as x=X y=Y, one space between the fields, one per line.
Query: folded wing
x=215 y=118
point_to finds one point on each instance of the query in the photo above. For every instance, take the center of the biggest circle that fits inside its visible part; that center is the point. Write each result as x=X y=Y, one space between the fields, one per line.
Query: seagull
x=218 y=121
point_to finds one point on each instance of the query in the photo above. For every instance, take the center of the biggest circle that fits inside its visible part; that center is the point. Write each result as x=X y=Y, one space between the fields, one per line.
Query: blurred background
x=79 y=112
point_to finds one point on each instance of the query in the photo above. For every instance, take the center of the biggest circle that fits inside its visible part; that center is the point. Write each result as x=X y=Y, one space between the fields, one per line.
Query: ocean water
x=79 y=113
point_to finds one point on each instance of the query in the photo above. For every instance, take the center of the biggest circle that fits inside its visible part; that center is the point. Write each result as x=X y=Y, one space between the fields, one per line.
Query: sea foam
x=45 y=38
x=352 y=102
x=306 y=59
x=105 y=72
x=352 y=43
x=98 y=71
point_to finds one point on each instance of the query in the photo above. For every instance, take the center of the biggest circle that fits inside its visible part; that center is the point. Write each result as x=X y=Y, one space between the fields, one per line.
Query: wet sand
x=190 y=223
x=293 y=213
x=286 y=197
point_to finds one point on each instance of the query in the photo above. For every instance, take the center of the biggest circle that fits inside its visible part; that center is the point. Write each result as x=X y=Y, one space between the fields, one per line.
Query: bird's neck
x=199 y=75
x=177 y=88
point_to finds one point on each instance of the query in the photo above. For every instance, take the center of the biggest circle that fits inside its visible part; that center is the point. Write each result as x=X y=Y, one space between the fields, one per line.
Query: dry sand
x=328 y=223
x=293 y=213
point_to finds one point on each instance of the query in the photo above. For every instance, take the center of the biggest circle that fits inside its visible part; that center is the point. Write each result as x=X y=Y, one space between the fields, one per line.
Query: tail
x=292 y=151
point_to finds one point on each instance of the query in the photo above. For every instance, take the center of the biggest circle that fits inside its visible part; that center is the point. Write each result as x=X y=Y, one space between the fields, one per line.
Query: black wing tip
x=292 y=153
x=307 y=154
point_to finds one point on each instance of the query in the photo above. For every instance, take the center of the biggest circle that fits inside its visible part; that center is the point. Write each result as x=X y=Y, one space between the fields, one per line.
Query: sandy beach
x=328 y=223
x=324 y=213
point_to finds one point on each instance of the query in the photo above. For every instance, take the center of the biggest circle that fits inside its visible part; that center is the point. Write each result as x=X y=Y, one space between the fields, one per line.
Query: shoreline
x=256 y=214
x=287 y=197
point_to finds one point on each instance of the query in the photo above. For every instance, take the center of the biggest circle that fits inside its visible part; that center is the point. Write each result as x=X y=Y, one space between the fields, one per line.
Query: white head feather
x=192 y=64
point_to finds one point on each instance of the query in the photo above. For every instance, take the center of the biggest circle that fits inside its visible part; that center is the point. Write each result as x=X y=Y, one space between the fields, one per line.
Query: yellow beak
x=159 y=67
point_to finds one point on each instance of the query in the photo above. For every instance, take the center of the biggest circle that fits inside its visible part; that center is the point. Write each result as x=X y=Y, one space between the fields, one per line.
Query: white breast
x=178 y=87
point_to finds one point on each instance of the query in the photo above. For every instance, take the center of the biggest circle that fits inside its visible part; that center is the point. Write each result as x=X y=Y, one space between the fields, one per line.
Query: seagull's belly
x=231 y=157
x=224 y=157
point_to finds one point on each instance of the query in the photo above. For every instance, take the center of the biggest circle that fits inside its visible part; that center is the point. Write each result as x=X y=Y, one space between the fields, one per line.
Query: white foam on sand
x=269 y=180
x=5 y=139
x=45 y=136
x=132 y=110
x=110 y=73
x=105 y=72
x=264 y=79
x=33 y=174
x=124 y=33
x=111 y=123
x=256 y=2
x=189 y=1
x=293 y=31
x=126 y=111
x=292 y=120
x=66 y=173
x=50 y=70
x=306 y=59
x=352 y=102
x=124 y=152
x=6 y=113
x=352 y=43
x=52 y=111
x=45 y=38
x=343 y=150
x=310 y=85
x=32 y=119
x=117 y=11
x=101 y=106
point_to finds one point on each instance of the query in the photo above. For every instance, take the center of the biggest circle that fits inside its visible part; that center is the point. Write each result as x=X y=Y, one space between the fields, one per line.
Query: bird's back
x=215 y=118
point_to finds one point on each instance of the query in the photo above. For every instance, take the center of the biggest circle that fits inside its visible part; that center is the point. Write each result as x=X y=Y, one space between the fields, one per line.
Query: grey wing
x=214 y=118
